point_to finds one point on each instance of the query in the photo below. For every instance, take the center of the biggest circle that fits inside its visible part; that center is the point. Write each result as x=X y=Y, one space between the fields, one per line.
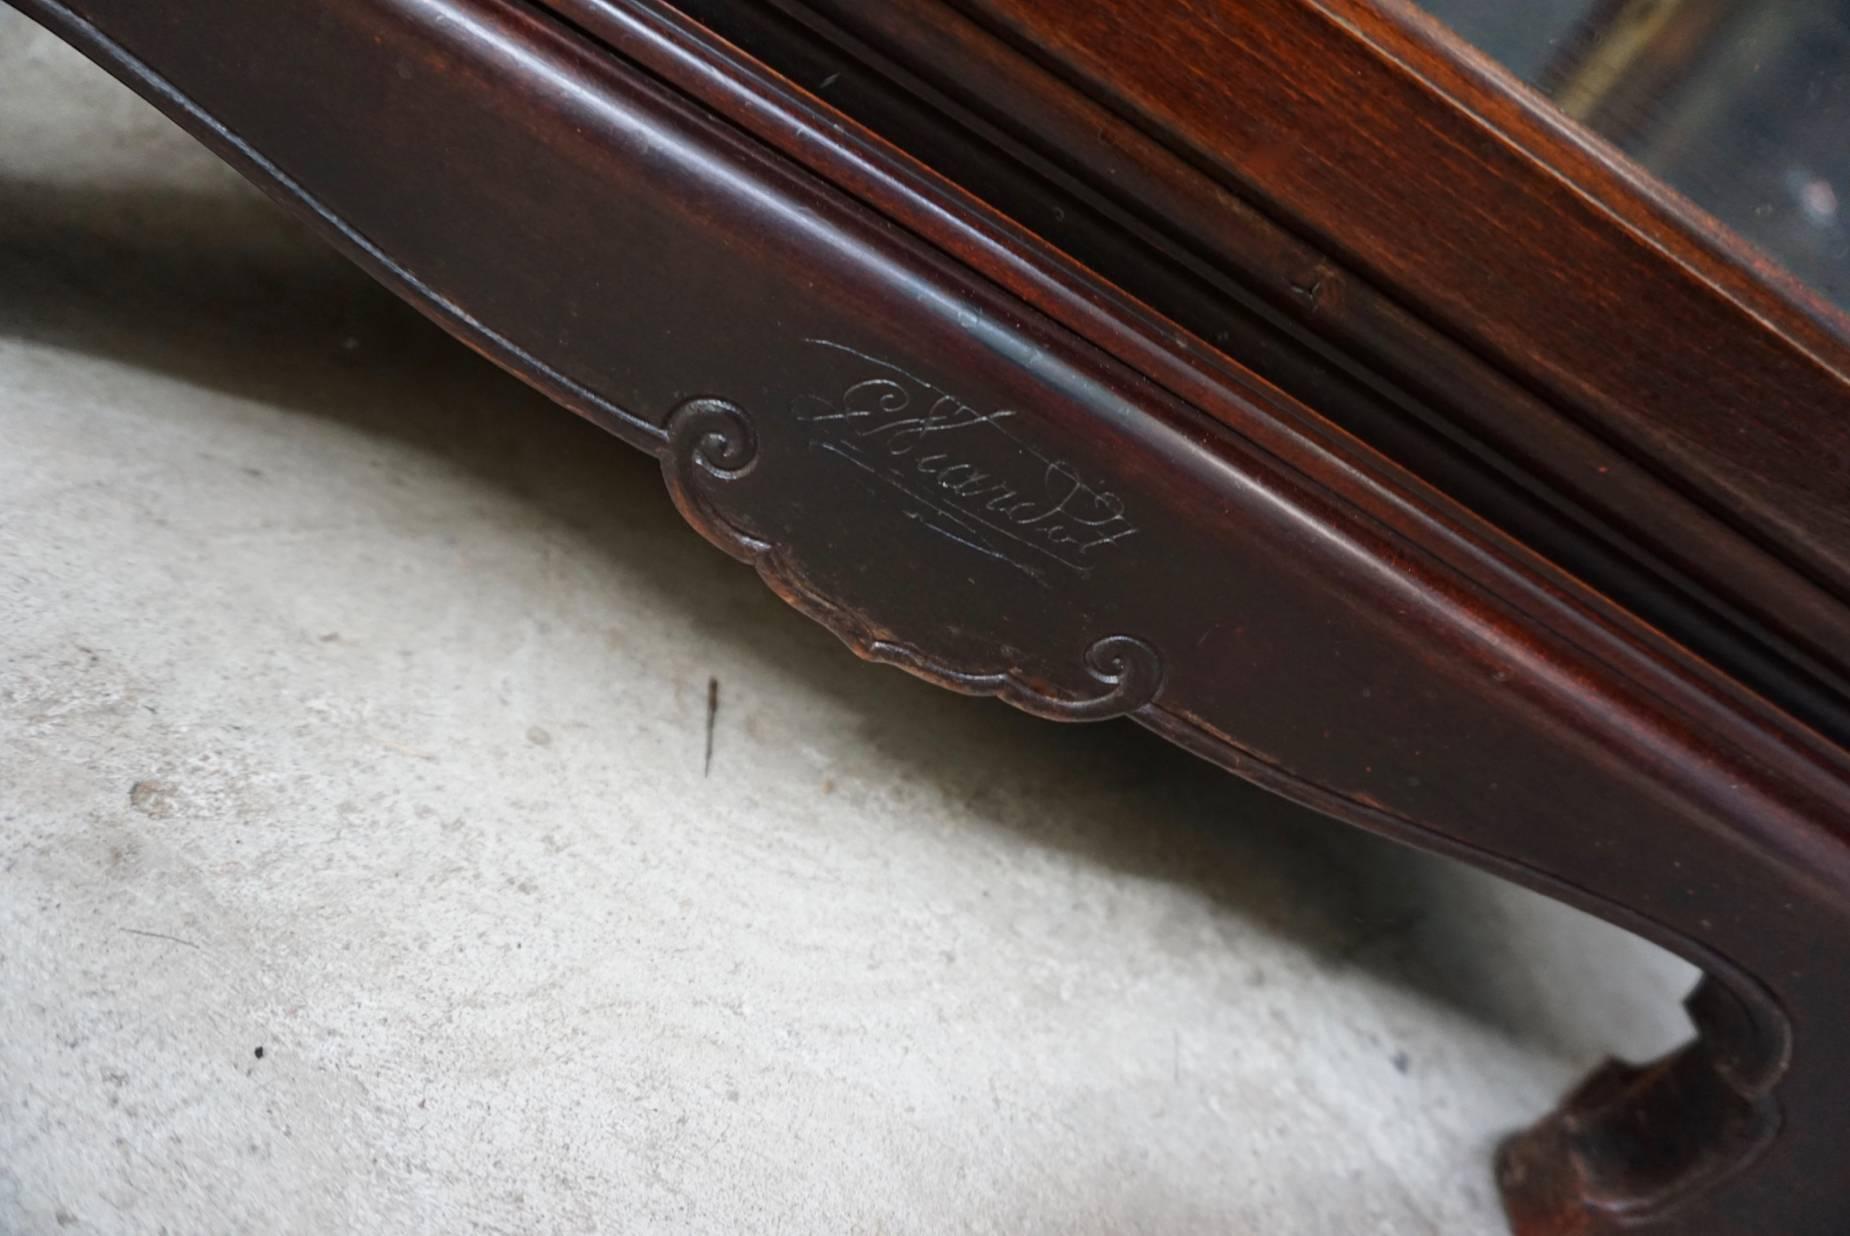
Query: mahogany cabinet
x=1283 y=374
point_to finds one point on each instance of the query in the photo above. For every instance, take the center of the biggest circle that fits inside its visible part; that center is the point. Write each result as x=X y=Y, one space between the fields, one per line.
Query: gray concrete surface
x=352 y=708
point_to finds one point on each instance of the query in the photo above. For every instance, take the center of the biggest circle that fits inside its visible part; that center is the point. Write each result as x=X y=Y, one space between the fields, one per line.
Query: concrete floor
x=358 y=872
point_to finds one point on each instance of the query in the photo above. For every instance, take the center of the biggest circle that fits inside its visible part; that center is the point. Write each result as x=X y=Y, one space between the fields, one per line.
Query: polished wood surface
x=1299 y=305
x=1741 y=105
x=978 y=455
x=1516 y=232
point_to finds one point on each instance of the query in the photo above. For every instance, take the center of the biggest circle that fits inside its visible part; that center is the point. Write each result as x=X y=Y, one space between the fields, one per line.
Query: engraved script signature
x=970 y=479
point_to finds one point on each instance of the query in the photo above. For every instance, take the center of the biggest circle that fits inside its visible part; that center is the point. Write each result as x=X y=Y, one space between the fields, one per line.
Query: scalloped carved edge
x=710 y=439
x=713 y=439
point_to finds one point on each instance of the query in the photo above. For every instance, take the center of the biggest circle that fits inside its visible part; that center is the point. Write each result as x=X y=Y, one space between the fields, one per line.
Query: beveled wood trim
x=1212 y=247
x=1471 y=200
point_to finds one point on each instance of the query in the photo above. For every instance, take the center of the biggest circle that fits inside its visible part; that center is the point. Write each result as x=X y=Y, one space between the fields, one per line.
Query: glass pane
x=1742 y=105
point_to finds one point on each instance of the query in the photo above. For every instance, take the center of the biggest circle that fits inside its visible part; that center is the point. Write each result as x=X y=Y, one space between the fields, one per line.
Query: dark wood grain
x=1295 y=306
x=970 y=455
x=1517 y=232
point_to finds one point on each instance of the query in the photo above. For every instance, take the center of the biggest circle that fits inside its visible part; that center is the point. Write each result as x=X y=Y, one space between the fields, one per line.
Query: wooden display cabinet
x=1282 y=374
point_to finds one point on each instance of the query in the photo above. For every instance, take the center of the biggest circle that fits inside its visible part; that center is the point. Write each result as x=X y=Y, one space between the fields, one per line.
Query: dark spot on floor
x=260 y=1053
x=152 y=798
x=712 y=718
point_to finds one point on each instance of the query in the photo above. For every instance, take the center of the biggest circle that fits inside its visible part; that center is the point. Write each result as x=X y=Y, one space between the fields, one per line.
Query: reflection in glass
x=1743 y=105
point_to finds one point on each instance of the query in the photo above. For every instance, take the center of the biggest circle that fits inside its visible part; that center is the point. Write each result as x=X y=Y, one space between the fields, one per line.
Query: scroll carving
x=711 y=442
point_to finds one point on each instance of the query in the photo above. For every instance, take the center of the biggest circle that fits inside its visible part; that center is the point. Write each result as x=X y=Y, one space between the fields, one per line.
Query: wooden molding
x=971 y=455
